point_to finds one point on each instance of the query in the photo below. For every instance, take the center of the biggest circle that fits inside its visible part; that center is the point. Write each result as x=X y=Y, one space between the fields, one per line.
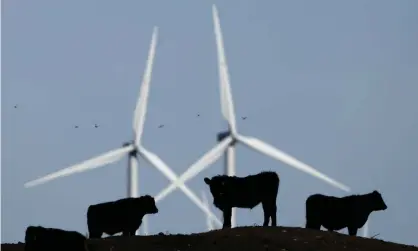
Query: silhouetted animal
x=335 y=213
x=124 y=215
x=38 y=238
x=245 y=192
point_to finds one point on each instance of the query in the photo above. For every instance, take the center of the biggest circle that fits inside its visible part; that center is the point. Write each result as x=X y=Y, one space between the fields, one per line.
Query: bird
x=95 y=125
x=15 y=106
x=244 y=118
x=198 y=115
x=76 y=126
x=160 y=126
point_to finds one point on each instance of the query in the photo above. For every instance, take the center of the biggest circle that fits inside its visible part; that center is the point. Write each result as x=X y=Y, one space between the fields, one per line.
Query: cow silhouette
x=245 y=192
x=335 y=213
x=124 y=215
x=39 y=238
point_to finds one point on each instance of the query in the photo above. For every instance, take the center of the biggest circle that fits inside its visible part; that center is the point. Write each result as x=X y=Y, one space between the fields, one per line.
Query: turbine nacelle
x=127 y=143
x=222 y=135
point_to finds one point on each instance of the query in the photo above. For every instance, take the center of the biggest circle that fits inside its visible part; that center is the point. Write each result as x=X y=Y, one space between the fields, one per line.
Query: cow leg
x=313 y=219
x=312 y=224
x=273 y=214
x=352 y=231
x=95 y=234
x=125 y=233
x=227 y=218
x=267 y=213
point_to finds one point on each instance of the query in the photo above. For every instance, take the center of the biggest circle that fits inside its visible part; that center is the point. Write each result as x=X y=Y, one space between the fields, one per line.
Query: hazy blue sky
x=333 y=83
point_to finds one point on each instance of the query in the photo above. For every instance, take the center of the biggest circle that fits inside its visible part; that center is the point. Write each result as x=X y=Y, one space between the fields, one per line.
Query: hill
x=242 y=239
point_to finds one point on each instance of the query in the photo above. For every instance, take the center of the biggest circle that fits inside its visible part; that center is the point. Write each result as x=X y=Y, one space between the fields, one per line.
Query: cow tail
x=277 y=182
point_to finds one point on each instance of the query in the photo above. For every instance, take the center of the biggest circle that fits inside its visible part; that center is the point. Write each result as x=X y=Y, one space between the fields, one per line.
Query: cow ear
x=375 y=192
x=207 y=180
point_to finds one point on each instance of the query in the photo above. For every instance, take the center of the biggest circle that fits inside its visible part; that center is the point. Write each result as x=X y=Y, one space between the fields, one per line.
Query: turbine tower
x=229 y=165
x=232 y=137
x=132 y=149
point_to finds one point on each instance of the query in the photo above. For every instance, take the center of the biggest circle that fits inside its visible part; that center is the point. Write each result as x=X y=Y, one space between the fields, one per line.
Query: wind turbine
x=132 y=149
x=230 y=138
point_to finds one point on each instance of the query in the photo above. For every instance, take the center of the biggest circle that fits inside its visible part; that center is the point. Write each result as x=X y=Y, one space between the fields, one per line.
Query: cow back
x=249 y=191
x=336 y=213
x=40 y=238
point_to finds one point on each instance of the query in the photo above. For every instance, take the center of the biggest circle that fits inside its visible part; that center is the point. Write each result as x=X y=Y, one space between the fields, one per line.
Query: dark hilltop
x=242 y=239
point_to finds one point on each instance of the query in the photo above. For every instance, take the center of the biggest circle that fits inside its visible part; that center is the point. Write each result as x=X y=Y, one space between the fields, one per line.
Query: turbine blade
x=99 y=161
x=141 y=105
x=205 y=161
x=275 y=153
x=154 y=160
x=227 y=103
x=208 y=219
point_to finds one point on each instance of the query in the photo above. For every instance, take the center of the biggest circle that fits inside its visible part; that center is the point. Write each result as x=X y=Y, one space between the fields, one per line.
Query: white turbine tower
x=233 y=137
x=131 y=149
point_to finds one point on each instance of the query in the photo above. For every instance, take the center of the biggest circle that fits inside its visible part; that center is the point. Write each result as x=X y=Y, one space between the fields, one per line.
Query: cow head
x=377 y=201
x=148 y=204
x=34 y=233
x=30 y=234
x=218 y=186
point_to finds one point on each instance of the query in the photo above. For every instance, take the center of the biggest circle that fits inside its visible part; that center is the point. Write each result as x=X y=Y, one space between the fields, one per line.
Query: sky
x=333 y=83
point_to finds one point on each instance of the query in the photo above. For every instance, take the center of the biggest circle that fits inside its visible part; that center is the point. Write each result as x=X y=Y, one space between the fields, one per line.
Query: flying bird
x=76 y=126
x=95 y=125
x=198 y=115
x=160 y=126
x=15 y=106
x=244 y=118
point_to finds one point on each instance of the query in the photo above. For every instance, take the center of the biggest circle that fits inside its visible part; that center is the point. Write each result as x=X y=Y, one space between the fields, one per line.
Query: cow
x=245 y=192
x=124 y=215
x=39 y=238
x=334 y=213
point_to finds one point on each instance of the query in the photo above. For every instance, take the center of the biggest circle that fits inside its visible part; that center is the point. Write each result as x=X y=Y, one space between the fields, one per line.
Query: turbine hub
x=134 y=152
x=131 y=143
x=222 y=135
